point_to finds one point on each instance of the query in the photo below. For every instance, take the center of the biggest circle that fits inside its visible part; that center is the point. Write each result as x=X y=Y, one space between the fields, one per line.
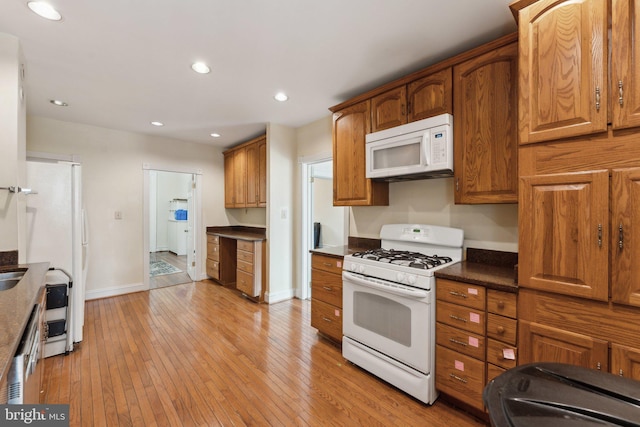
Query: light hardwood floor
x=200 y=354
x=179 y=261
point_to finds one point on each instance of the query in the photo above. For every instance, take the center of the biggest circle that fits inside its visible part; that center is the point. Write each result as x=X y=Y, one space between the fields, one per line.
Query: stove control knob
x=400 y=277
x=412 y=280
x=352 y=266
x=361 y=269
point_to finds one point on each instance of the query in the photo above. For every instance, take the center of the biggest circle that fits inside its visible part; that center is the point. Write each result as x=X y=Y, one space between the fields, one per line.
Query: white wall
x=113 y=181
x=331 y=218
x=12 y=142
x=281 y=162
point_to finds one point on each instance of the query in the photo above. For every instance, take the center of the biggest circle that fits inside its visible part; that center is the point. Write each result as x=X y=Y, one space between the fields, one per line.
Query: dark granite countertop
x=16 y=305
x=334 y=251
x=491 y=269
x=239 y=232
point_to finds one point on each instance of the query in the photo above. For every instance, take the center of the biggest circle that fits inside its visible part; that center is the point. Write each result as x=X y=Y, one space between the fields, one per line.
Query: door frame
x=197 y=217
x=303 y=290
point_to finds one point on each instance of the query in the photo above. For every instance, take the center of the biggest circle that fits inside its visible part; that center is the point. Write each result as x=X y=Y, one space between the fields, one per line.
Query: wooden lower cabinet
x=250 y=257
x=326 y=295
x=221 y=259
x=476 y=338
x=625 y=361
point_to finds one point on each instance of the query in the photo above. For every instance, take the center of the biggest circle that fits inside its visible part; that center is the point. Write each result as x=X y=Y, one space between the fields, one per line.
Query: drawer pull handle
x=454 y=317
x=326 y=319
x=458 y=294
x=455 y=341
x=327 y=288
x=457 y=378
x=327 y=264
x=501 y=330
x=621 y=373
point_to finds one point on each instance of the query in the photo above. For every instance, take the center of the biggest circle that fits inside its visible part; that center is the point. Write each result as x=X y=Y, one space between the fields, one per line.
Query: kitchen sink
x=10 y=278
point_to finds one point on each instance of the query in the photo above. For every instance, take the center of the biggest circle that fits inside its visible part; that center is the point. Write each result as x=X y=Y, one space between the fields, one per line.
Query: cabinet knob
x=501 y=330
x=501 y=304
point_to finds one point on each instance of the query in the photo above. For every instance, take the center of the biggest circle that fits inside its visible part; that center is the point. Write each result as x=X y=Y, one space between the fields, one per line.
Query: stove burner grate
x=403 y=258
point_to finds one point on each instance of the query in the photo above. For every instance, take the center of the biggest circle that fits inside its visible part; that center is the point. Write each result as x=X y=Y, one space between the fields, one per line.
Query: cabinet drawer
x=461 y=293
x=503 y=303
x=461 y=317
x=460 y=376
x=462 y=341
x=326 y=287
x=502 y=328
x=244 y=256
x=496 y=354
x=245 y=245
x=327 y=319
x=213 y=239
x=493 y=371
x=213 y=251
x=247 y=267
x=213 y=269
x=326 y=263
x=245 y=283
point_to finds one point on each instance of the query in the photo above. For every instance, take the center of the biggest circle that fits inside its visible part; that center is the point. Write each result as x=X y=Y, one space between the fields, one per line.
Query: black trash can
x=554 y=394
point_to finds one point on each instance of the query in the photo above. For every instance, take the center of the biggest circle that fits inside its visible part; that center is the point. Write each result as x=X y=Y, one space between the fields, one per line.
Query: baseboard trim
x=114 y=291
x=274 y=297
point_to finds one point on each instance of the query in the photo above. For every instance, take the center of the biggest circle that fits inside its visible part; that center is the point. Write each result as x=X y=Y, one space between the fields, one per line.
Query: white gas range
x=388 y=304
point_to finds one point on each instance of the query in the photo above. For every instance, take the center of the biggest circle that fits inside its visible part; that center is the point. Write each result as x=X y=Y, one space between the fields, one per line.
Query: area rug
x=160 y=268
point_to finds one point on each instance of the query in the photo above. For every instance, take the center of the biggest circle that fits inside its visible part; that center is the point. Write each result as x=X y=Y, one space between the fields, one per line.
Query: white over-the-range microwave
x=416 y=150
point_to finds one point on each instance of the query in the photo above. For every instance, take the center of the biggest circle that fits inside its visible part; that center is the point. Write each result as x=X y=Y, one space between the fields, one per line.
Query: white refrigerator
x=57 y=231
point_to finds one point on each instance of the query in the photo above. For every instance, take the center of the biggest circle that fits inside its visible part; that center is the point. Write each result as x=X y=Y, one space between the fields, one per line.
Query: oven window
x=382 y=316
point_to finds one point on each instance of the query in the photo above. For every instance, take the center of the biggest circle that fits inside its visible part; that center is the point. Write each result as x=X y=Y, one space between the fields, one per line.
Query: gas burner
x=403 y=258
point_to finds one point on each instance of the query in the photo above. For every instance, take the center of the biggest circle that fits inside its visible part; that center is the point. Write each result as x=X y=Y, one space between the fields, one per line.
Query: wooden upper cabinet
x=262 y=178
x=430 y=95
x=229 y=177
x=253 y=188
x=239 y=178
x=563 y=234
x=625 y=236
x=625 y=64
x=563 y=69
x=543 y=343
x=389 y=109
x=485 y=137
x=245 y=175
x=350 y=185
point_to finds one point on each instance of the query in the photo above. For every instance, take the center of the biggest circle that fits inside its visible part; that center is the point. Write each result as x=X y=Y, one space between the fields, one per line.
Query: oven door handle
x=402 y=291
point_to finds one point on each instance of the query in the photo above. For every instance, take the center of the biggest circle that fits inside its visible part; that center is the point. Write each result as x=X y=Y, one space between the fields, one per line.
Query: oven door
x=395 y=320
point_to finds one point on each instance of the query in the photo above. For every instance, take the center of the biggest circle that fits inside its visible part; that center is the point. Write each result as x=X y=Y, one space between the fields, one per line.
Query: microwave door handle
x=426 y=147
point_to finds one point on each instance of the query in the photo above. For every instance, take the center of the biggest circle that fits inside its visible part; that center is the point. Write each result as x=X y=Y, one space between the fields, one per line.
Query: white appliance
x=57 y=232
x=416 y=150
x=389 y=304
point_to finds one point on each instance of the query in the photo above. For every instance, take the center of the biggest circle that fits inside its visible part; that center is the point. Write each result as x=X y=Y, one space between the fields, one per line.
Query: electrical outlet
x=117 y=215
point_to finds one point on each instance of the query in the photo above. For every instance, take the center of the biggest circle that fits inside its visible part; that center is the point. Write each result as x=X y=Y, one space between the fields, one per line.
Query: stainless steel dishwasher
x=23 y=379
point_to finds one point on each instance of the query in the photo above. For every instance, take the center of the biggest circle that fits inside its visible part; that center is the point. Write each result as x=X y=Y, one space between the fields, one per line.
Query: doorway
x=172 y=218
x=323 y=225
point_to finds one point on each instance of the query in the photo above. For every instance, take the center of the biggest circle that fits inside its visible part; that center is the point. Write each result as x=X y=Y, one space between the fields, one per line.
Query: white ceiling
x=122 y=63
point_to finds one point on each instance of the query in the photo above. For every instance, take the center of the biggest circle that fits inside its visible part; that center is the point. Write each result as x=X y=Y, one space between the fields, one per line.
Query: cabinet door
x=430 y=96
x=625 y=233
x=540 y=343
x=262 y=176
x=229 y=176
x=625 y=63
x=563 y=233
x=625 y=361
x=389 y=109
x=239 y=177
x=252 y=159
x=350 y=185
x=485 y=137
x=563 y=69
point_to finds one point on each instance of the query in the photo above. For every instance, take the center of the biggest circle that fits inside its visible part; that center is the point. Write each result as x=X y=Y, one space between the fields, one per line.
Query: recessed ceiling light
x=157 y=123
x=58 y=103
x=281 y=96
x=45 y=10
x=215 y=135
x=200 y=67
